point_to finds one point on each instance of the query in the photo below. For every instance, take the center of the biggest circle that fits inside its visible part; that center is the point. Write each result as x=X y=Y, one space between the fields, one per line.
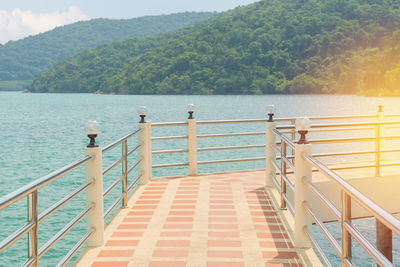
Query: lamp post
x=94 y=196
x=191 y=111
x=302 y=127
x=142 y=113
x=271 y=112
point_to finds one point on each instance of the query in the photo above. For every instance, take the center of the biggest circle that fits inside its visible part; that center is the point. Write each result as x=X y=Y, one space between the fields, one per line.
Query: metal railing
x=34 y=219
x=349 y=193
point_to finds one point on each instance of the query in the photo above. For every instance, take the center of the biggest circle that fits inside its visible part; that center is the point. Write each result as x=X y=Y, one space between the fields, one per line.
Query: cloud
x=18 y=23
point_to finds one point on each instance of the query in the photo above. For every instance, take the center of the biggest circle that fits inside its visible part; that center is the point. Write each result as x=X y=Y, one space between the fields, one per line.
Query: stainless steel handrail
x=75 y=248
x=113 y=206
x=381 y=214
x=230 y=135
x=229 y=147
x=112 y=166
x=161 y=124
x=133 y=166
x=229 y=161
x=11 y=239
x=169 y=151
x=317 y=248
x=112 y=186
x=119 y=141
x=284 y=138
x=171 y=165
x=52 y=241
x=169 y=138
x=336 y=125
x=39 y=183
x=134 y=182
x=133 y=150
x=42 y=216
x=231 y=121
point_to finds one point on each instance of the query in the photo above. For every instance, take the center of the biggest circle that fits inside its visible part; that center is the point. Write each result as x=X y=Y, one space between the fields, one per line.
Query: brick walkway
x=207 y=220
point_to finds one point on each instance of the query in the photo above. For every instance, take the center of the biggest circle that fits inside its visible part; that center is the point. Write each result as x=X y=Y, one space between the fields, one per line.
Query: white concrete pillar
x=270 y=153
x=303 y=169
x=95 y=219
x=145 y=166
x=192 y=146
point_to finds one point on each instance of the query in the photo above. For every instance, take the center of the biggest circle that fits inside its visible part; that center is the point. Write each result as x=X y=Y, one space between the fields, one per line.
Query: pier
x=317 y=171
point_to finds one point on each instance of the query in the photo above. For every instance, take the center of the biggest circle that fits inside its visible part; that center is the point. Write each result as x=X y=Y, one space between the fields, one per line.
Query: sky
x=21 y=18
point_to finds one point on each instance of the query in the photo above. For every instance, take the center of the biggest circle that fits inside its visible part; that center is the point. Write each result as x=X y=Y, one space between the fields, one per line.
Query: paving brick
x=170 y=253
x=116 y=253
x=176 y=234
x=151 y=201
x=220 y=201
x=273 y=235
x=179 y=219
x=173 y=243
x=224 y=243
x=222 y=212
x=276 y=244
x=225 y=254
x=279 y=255
x=183 y=207
x=132 y=226
x=167 y=264
x=225 y=264
x=144 y=207
x=178 y=226
x=181 y=212
x=222 y=219
x=137 y=219
x=223 y=226
x=222 y=207
x=110 y=264
x=223 y=234
x=121 y=243
x=184 y=201
x=127 y=234
x=136 y=213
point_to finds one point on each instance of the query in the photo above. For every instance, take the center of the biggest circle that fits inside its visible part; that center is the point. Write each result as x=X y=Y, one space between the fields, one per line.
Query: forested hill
x=272 y=46
x=25 y=58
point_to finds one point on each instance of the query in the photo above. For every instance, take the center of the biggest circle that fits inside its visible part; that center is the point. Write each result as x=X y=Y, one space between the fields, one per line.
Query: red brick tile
x=264 y=202
x=132 y=226
x=224 y=264
x=221 y=197
x=150 y=197
x=181 y=212
x=268 y=208
x=266 y=220
x=152 y=192
x=178 y=226
x=160 y=188
x=186 y=192
x=222 y=219
x=220 y=188
x=269 y=227
x=176 y=234
x=137 y=219
x=135 y=213
x=224 y=254
x=263 y=213
x=225 y=243
x=183 y=207
x=279 y=255
x=276 y=244
x=170 y=253
x=127 y=234
x=179 y=219
x=155 y=201
x=223 y=226
x=270 y=264
x=222 y=212
x=110 y=264
x=121 y=243
x=185 y=183
x=220 y=192
x=223 y=234
x=167 y=264
x=116 y=253
x=184 y=201
x=222 y=207
x=186 y=196
x=220 y=201
x=144 y=207
x=273 y=235
x=173 y=243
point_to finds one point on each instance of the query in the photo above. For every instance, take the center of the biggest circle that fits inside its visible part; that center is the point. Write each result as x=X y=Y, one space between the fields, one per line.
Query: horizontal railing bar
x=288 y=182
x=342 y=140
x=337 y=125
x=39 y=183
x=284 y=138
x=392 y=137
x=169 y=151
x=290 y=164
x=276 y=148
x=29 y=262
x=112 y=186
x=368 y=247
x=163 y=124
x=288 y=204
x=108 y=212
x=169 y=138
x=232 y=121
x=52 y=241
x=170 y=165
x=276 y=183
x=42 y=216
x=349 y=263
x=119 y=141
x=133 y=166
x=134 y=182
x=229 y=147
x=317 y=248
x=229 y=160
x=323 y=229
x=230 y=135
x=392 y=115
x=133 y=150
x=277 y=168
x=340 y=130
x=112 y=166
x=381 y=214
x=75 y=248
x=323 y=198
x=11 y=239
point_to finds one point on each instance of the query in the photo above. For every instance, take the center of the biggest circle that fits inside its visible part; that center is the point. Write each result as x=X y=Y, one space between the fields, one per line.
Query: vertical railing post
x=192 y=141
x=145 y=166
x=125 y=173
x=346 y=236
x=301 y=194
x=33 y=233
x=379 y=141
x=94 y=196
x=270 y=144
x=283 y=173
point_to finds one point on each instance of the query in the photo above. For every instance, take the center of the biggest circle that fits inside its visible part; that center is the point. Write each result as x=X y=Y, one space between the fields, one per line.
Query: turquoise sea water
x=40 y=133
